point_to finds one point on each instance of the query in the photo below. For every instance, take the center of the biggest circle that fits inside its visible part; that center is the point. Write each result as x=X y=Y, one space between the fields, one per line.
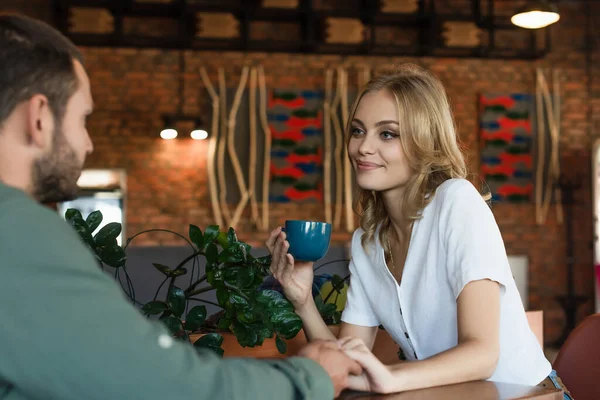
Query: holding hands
x=376 y=377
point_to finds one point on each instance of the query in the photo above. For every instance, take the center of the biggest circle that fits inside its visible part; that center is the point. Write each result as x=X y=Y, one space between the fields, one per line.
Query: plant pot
x=232 y=348
x=384 y=348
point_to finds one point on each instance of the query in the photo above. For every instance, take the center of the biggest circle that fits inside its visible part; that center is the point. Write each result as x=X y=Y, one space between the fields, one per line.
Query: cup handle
x=282 y=229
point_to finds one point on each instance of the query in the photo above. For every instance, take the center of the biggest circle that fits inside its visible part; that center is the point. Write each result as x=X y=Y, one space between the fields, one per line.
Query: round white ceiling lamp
x=535 y=15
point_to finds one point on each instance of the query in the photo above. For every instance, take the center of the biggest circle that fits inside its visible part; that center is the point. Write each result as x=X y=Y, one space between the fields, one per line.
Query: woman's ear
x=40 y=122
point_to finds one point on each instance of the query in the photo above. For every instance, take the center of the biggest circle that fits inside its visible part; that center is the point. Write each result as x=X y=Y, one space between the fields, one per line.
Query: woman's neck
x=393 y=200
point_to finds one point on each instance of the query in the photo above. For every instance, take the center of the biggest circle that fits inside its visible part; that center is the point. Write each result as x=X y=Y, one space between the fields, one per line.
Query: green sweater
x=68 y=331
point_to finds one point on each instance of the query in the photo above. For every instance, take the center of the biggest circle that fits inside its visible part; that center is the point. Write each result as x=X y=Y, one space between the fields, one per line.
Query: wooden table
x=480 y=390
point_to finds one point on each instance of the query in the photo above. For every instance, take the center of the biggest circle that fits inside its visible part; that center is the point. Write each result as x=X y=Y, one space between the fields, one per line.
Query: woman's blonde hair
x=428 y=139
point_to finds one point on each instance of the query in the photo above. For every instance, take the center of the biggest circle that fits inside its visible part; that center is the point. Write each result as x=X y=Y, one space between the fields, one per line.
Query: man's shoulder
x=30 y=231
x=11 y=197
x=17 y=210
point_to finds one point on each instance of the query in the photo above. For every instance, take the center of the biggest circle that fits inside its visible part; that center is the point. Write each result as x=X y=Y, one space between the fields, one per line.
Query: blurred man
x=68 y=332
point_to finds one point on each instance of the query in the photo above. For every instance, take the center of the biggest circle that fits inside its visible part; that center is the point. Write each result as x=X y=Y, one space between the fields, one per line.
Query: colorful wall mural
x=506 y=138
x=295 y=118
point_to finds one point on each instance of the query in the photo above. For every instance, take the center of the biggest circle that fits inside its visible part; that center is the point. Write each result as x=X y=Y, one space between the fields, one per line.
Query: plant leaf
x=108 y=234
x=94 y=220
x=230 y=274
x=112 y=255
x=73 y=213
x=231 y=237
x=338 y=283
x=179 y=272
x=267 y=296
x=223 y=296
x=245 y=277
x=336 y=318
x=211 y=341
x=154 y=307
x=210 y=234
x=163 y=269
x=266 y=331
x=224 y=323
x=212 y=255
x=196 y=236
x=222 y=240
x=245 y=335
x=215 y=278
x=230 y=255
x=195 y=318
x=74 y=218
x=287 y=323
x=173 y=324
x=245 y=315
x=318 y=301
x=281 y=344
x=237 y=299
x=327 y=310
x=272 y=299
x=176 y=300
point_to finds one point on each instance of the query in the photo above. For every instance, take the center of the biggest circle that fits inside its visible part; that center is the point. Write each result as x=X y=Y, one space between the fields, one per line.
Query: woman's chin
x=366 y=184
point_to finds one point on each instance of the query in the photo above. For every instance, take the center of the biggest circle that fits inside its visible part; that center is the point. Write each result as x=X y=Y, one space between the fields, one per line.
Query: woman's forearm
x=314 y=326
x=469 y=361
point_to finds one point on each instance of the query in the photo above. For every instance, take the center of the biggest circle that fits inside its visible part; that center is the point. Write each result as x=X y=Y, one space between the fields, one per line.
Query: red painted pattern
x=508 y=123
x=293 y=104
x=295 y=194
x=295 y=122
x=505 y=101
x=287 y=171
x=502 y=135
x=499 y=169
x=507 y=190
x=296 y=136
x=297 y=158
x=515 y=158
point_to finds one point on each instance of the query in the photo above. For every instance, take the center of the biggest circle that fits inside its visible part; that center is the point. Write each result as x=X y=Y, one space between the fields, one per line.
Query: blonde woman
x=428 y=262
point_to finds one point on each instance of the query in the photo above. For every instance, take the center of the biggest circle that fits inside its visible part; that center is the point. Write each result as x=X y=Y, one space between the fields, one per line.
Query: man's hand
x=333 y=360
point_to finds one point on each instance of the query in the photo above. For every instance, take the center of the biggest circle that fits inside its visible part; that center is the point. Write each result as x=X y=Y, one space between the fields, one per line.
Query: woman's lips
x=367 y=166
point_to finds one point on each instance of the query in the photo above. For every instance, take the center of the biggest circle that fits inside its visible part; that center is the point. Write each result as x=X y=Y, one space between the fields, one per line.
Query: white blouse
x=455 y=242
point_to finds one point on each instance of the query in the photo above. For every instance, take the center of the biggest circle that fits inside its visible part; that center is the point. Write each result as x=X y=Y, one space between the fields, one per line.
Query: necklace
x=391 y=255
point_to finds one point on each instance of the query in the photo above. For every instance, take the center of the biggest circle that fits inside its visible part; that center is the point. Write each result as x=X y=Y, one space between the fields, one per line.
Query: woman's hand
x=376 y=377
x=296 y=279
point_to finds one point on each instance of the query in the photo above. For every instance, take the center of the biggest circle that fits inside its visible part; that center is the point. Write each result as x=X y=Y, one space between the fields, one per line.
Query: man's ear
x=40 y=121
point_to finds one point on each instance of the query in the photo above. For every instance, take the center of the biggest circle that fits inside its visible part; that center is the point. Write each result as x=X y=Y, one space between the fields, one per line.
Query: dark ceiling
x=454 y=28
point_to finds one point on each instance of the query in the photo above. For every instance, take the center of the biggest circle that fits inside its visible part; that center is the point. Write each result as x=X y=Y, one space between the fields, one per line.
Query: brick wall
x=167 y=181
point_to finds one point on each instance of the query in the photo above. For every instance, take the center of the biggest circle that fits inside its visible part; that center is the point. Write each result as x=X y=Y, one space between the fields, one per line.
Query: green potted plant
x=250 y=313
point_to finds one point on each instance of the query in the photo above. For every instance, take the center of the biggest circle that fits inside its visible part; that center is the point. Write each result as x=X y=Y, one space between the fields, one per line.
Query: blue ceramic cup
x=309 y=240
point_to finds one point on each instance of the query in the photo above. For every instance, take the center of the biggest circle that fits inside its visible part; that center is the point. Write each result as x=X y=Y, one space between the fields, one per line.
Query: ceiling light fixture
x=535 y=15
x=199 y=134
x=171 y=121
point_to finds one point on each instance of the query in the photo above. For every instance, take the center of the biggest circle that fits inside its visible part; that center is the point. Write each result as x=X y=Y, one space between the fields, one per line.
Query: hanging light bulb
x=199 y=134
x=168 y=134
x=536 y=14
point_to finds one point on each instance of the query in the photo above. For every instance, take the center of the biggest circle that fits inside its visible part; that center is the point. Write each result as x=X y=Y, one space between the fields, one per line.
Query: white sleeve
x=358 y=310
x=474 y=246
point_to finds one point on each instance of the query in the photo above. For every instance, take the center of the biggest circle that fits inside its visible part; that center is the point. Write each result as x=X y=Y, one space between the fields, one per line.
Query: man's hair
x=35 y=59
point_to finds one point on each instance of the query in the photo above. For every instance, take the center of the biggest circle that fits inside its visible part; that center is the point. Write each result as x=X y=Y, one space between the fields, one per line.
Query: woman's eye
x=388 y=135
x=356 y=132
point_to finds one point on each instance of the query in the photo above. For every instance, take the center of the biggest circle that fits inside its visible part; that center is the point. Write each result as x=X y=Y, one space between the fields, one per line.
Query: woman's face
x=374 y=146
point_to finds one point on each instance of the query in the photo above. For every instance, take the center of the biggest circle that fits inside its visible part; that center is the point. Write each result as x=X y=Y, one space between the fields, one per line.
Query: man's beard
x=55 y=175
